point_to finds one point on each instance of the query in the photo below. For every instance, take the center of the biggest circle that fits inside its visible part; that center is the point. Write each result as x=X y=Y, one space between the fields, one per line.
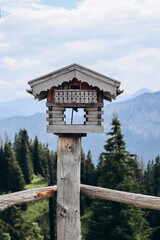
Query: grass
x=37 y=211
x=84 y=223
x=37 y=183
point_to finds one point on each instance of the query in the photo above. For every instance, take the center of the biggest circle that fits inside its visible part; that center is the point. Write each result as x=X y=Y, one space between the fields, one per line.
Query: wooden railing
x=139 y=200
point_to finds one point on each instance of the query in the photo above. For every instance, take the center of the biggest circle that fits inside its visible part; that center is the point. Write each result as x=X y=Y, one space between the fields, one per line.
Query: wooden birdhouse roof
x=40 y=86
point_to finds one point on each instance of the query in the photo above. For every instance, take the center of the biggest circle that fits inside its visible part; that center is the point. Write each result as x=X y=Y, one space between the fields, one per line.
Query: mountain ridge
x=140 y=119
x=27 y=106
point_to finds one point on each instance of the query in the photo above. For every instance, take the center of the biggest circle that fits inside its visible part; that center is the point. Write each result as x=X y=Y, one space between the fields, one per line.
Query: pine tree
x=5 y=228
x=83 y=181
x=112 y=220
x=2 y=170
x=157 y=177
x=13 y=223
x=83 y=167
x=12 y=173
x=100 y=161
x=52 y=180
x=36 y=233
x=39 y=158
x=12 y=181
x=89 y=170
x=35 y=156
x=98 y=172
x=6 y=236
x=149 y=181
x=152 y=186
x=21 y=147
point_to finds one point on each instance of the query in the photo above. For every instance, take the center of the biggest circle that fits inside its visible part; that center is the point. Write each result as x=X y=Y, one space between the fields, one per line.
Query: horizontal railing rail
x=31 y=195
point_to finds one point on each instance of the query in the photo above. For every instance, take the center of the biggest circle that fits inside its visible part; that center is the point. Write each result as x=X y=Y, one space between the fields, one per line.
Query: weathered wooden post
x=68 y=183
x=73 y=87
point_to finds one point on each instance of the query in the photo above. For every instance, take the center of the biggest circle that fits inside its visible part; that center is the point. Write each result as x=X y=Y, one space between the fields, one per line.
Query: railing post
x=68 y=188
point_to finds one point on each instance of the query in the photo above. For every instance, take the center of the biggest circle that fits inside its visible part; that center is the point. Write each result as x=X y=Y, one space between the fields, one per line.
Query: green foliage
x=157 y=177
x=2 y=169
x=52 y=167
x=149 y=180
x=6 y=236
x=118 y=170
x=23 y=156
x=52 y=180
x=5 y=229
x=37 y=211
x=83 y=167
x=16 y=221
x=152 y=186
x=37 y=182
x=89 y=170
x=36 y=233
x=12 y=177
x=39 y=158
x=87 y=177
x=13 y=223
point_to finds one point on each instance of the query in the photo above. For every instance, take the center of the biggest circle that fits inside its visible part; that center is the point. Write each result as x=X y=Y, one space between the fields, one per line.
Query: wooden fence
x=31 y=195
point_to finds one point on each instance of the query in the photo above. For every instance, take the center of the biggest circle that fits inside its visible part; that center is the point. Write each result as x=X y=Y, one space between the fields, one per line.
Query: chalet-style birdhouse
x=74 y=86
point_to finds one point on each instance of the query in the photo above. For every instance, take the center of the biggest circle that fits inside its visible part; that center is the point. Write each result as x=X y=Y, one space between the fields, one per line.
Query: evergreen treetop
x=118 y=170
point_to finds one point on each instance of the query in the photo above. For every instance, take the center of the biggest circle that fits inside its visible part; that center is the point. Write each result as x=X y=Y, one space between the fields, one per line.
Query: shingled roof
x=40 y=86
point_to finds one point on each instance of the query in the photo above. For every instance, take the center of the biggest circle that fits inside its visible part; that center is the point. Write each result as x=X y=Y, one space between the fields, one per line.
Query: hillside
x=140 y=119
x=27 y=106
x=21 y=107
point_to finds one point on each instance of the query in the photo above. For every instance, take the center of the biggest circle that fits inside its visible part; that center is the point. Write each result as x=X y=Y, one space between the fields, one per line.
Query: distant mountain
x=125 y=97
x=21 y=107
x=34 y=124
x=140 y=119
x=28 y=106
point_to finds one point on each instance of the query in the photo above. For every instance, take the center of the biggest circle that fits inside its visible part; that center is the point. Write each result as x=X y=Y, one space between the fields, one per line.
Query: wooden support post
x=68 y=188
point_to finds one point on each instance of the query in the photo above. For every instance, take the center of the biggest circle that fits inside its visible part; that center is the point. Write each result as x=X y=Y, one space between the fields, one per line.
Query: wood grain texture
x=31 y=195
x=26 y=196
x=93 y=115
x=68 y=128
x=70 y=105
x=95 y=119
x=138 y=200
x=68 y=184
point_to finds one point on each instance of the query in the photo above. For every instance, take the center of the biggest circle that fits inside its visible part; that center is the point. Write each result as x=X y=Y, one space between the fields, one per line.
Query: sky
x=120 y=39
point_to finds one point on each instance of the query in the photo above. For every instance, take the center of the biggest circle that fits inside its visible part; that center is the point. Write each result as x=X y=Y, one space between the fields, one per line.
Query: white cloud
x=88 y=13
x=137 y=70
x=15 y=64
x=118 y=38
x=106 y=16
x=4 y=46
x=4 y=83
x=9 y=62
x=79 y=48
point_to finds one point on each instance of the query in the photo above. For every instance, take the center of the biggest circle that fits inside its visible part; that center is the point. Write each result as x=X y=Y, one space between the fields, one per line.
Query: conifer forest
x=27 y=163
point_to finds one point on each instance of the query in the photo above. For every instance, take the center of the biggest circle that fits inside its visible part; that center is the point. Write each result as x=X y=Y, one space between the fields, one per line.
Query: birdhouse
x=74 y=87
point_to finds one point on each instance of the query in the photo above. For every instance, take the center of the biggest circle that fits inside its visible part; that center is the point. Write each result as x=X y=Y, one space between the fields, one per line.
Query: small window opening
x=75 y=87
x=75 y=116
